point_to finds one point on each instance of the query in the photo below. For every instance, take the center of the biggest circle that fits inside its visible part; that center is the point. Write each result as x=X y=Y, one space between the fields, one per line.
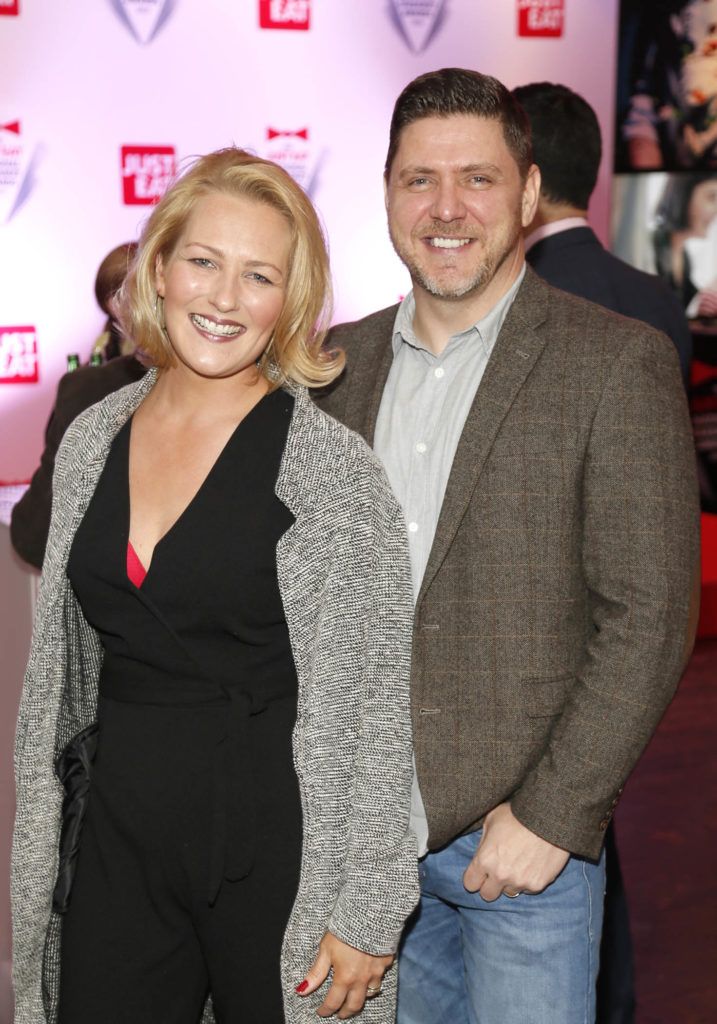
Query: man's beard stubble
x=484 y=273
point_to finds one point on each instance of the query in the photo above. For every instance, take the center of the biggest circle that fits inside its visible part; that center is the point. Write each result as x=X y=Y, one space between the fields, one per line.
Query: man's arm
x=641 y=567
x=640 y=562
x=30 y=520
x=76 y=392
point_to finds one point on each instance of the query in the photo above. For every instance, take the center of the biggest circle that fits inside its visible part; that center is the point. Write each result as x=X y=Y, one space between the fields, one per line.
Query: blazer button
x=604 y=824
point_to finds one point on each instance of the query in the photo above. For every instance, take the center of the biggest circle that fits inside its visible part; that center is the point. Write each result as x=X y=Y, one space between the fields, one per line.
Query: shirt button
x=438 y=372
x=421 y=447
x=412 y=527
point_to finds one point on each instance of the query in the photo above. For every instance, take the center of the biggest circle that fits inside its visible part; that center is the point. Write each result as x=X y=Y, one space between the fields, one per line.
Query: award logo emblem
x=541 y=17
x=9 y=7
x=294 y=14
x=17 y=162
x=418 y=21
x=18 y=355
x=147 y=171
x=293 y=151
x=144 y=18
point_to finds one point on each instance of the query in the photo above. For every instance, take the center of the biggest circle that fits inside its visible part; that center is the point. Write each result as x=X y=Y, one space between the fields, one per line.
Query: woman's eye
x=202 y=261
x=256 y=276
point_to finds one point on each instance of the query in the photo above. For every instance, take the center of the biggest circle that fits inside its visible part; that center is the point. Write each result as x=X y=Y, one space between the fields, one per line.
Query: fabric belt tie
x=233 y=839
x=234 y=815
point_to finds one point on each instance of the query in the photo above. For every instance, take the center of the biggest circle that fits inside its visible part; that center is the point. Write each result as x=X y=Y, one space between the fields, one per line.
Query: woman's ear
x=159 y=275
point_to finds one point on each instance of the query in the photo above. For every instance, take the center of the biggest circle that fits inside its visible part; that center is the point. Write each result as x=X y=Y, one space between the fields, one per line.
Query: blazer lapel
x=515 y=353
x=371 y=366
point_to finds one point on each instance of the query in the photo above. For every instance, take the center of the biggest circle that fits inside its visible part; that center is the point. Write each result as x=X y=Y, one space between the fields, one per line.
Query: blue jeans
x=529 y=960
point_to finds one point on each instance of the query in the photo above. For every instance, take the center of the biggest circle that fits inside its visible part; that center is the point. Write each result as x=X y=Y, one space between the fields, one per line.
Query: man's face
x=456 y=204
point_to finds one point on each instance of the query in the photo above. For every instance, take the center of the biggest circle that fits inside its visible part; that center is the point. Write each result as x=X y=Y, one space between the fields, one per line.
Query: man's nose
x=448 y=203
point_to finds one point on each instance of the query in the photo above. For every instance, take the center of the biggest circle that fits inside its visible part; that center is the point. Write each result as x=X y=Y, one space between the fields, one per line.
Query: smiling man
x=541 y=449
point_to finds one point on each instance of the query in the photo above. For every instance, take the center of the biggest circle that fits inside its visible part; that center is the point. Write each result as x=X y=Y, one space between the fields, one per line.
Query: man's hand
x=511 y=858
x=357 y=977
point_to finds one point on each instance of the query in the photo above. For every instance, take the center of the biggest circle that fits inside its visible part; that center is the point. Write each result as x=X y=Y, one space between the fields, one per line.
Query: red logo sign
x=541 y=17
x=9 y=7
x=18 y=355
x=284 y=14
x=147 y=171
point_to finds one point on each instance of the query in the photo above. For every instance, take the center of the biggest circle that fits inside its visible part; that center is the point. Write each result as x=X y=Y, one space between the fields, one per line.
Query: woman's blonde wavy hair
x=295 y=352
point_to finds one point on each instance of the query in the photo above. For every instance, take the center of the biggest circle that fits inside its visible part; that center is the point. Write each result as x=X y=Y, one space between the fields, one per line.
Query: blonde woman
x=219 y=668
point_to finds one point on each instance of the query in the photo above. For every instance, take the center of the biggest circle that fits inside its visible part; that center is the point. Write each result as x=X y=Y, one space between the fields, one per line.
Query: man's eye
x=418 y=182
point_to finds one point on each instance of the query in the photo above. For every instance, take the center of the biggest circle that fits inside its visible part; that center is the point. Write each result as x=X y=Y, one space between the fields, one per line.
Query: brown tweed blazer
x=557 y=609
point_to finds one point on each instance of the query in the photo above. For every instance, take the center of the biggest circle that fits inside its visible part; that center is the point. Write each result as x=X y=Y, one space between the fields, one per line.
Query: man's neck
x=548 y=213
x=436 y=320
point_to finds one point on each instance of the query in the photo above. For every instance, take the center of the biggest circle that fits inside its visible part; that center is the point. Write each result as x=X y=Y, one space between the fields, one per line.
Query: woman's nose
x=226 y=294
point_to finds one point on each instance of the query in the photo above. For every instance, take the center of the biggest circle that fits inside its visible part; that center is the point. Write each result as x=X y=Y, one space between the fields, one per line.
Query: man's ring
x=511 y=895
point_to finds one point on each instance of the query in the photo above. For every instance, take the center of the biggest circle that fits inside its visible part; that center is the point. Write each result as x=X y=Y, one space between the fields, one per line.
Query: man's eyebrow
x=486 y=168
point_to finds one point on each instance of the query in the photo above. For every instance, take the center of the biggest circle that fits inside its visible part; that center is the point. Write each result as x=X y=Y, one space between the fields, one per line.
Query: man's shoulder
x=90 y=384
x=374 y=327
x=577 y=261
x=591 y=324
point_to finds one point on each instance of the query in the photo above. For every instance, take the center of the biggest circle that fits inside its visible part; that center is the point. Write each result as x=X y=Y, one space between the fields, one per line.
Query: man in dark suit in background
x=564 y=250
x=77 y=391
x=559 y=244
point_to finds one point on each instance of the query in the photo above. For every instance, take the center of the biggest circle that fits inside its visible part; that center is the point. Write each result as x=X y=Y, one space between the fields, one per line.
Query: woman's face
x=702 y=207
x=224 y=284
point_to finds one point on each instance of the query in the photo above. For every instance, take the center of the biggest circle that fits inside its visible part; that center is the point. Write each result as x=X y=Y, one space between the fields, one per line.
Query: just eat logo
x=9 y=7
x=18 y=355
x=147 y=171
x=541 y=17
x=285 y=14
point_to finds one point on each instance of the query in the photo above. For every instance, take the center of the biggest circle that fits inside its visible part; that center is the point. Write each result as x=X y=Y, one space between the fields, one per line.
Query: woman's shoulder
x=89 y=433
x=336 y=457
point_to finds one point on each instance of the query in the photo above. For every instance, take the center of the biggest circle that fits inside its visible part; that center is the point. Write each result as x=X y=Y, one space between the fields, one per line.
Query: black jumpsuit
x=190 y=851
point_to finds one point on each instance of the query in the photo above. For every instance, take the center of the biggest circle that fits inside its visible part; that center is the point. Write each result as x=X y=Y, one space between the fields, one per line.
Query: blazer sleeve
x=640 y=561
x=30 y=521
x=380 y=871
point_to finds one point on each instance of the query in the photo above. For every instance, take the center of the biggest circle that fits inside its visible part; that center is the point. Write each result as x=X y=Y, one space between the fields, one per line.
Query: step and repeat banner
x=103 y=100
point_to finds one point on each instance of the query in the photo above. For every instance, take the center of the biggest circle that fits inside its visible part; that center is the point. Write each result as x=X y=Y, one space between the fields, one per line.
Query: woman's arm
x=381 y=882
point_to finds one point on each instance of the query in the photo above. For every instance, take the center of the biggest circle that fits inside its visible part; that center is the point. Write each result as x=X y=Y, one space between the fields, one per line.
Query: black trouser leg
x=615 y=984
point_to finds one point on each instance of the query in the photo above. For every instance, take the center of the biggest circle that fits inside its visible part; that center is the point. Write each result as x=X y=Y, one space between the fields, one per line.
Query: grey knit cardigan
x=344 y=579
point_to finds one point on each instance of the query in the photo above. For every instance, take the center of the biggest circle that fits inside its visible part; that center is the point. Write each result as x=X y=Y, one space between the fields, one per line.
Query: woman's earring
x=159 y=310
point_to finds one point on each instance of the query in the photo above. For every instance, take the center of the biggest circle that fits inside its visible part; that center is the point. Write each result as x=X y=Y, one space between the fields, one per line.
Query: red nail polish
x=302 y=987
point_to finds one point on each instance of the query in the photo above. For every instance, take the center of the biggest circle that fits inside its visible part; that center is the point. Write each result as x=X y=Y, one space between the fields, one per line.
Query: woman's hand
x=357 y=977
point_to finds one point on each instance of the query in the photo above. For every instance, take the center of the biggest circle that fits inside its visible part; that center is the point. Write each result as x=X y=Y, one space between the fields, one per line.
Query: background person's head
x=567 y=146
x=458 y=91
x=110 y=277
x=294 y=350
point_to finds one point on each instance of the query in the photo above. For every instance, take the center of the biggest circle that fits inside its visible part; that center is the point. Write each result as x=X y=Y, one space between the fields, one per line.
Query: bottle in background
x=73 y=362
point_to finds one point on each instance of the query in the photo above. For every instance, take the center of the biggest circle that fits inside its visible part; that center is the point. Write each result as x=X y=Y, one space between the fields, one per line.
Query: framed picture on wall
x=666 y=116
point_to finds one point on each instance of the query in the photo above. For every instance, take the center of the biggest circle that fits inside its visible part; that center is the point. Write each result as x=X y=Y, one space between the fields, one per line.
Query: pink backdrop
x=81 y=81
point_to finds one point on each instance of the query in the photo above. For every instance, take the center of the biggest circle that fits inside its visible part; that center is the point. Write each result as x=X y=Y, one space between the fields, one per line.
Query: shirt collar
x=486 y=329
x=554 y=227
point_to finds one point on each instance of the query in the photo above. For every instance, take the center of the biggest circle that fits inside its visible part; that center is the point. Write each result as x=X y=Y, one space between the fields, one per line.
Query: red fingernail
x=302 y=987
